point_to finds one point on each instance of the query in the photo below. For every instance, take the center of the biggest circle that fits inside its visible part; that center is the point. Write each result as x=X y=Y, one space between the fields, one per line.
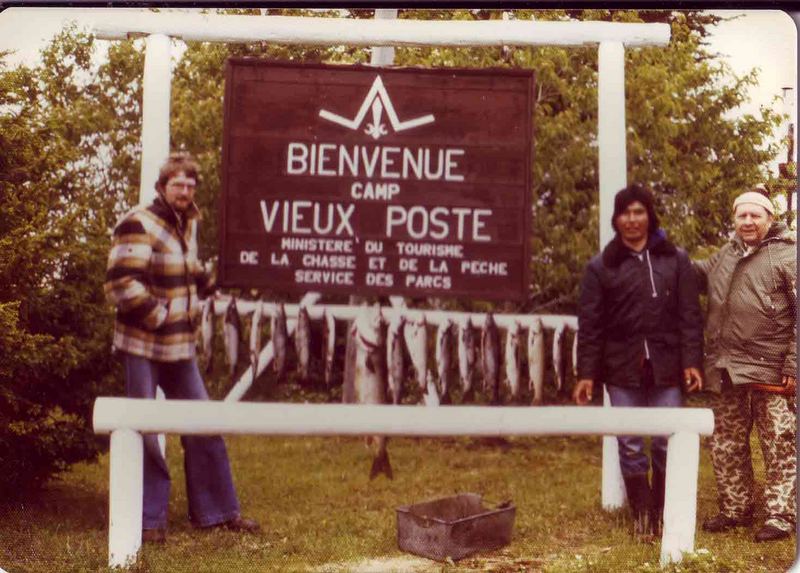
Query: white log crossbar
x=377 y=32
x=126 y=418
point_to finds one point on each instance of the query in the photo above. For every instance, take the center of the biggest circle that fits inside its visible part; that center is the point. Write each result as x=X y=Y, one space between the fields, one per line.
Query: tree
x=70 y=132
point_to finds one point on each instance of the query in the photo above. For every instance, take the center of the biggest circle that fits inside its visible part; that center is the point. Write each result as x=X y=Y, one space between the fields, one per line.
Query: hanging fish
x=232 y=330
x=431 y=395
x=512 y=360
x=444 y=343
x=536 y=360
x=255 y=337
x=207 y=332
x=490 y=358
x=302 y=342
x=369 y=380
x=328 y=345
x=559 y=358
x=466 y=357
x=280 y=340
x=416 y=335
x=395 y=357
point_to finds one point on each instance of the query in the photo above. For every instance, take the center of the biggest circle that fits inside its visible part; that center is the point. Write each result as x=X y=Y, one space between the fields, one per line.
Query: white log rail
x=214 y=27
x=126 y=418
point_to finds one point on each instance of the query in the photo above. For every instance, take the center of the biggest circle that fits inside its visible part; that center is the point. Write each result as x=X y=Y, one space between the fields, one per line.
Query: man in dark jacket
x=641 y=334
x=751 y=366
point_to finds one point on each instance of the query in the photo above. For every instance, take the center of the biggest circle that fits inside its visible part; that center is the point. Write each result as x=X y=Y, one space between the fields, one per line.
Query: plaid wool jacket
x=153 y=279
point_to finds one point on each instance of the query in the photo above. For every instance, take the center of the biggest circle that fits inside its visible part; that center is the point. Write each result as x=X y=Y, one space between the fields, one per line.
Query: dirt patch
x=410 y=564
x=401 y=564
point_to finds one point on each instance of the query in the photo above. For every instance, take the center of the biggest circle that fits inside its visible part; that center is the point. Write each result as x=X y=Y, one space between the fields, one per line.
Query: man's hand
x=582 y=393
x=692 y=380
x=791 y=384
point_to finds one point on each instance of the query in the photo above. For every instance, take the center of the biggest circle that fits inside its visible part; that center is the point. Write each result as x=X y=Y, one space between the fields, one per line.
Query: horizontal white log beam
x=280 y=419
x=432 y=317
x=120 y=24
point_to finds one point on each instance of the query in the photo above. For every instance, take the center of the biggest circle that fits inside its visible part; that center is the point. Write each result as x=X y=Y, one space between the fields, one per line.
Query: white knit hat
x=755 y=198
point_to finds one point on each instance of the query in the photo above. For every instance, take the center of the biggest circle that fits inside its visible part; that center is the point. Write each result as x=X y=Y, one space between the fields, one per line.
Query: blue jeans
x=209 y=485
x=632 y=458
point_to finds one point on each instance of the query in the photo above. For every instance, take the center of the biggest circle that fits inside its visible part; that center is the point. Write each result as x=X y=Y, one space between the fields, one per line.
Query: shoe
x=721 y=522
x=771 y=533
x=240 y=525
x=154 y=535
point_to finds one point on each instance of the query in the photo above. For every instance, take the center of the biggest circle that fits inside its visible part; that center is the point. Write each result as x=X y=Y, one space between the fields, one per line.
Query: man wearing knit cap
x=750 y=365
x=641 y=334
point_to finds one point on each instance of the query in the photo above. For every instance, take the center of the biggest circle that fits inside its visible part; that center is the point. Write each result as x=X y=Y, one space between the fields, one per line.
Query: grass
x=320 y=512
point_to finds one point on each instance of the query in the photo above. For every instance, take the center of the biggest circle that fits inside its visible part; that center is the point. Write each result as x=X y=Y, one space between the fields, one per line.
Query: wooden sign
x=361 y=180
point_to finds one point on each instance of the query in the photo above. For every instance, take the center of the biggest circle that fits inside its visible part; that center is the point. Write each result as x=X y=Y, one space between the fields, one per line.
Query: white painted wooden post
x=125 y=497
x=383 y=55
x=680 y=501
x=613 y=177
x=156 y=88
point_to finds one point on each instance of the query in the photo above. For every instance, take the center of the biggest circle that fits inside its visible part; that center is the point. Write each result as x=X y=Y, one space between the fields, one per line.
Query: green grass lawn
x=321 y=513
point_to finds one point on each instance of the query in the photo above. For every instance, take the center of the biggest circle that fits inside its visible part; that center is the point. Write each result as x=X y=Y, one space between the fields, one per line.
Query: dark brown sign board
x=376 y=181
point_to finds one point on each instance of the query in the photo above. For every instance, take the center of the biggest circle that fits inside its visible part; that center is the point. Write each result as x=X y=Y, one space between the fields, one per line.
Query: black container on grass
x=454 y=527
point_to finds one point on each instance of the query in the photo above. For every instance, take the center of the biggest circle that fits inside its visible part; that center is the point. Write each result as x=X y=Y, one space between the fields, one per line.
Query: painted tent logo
x=378 y=101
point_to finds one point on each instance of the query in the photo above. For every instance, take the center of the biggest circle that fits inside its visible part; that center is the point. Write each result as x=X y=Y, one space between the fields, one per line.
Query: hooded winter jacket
x=153 y=277
x=750 y=329
x=638 y=306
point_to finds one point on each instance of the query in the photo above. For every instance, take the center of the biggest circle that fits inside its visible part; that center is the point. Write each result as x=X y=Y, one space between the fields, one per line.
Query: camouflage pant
x=735 y=410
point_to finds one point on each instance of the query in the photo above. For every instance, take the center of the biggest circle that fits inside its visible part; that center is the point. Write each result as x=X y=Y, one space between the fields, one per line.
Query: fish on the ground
x=280 y=340
x=512 y=361
x=559 y=358
x=536 y=358
x=255 y=337
x=328 y=346
x=207 y=332
x=431 y=395
x=444 y=343
x=232 y=333
x=416 y=335
x=369 y=378
x=490 y=358
x=302 y=342
x=395 y=357
x=466 y=357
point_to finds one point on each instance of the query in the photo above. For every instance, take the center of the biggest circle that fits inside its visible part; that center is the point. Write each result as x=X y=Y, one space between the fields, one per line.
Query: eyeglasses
x=182 y=185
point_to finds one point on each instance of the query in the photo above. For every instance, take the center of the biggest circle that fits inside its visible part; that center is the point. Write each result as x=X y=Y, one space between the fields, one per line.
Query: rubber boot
x=657 y=514
x=637 y=487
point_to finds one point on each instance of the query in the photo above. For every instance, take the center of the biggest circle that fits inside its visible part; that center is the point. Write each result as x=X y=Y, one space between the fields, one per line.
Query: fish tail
x=381 y=465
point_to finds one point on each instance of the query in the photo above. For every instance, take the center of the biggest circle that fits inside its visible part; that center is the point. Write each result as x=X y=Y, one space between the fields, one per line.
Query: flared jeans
x=209 y=485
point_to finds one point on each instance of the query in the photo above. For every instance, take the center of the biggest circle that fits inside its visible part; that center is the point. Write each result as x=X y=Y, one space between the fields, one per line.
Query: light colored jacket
x=153 y=277
x=750 y=328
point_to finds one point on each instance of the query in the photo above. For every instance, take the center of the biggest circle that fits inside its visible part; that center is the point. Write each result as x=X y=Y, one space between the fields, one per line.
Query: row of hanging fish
x=232 y=333
x=477 y=350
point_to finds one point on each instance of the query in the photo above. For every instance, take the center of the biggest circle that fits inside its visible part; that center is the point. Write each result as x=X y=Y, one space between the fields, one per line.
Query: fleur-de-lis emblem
x=378 y=101
x=376 y=128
